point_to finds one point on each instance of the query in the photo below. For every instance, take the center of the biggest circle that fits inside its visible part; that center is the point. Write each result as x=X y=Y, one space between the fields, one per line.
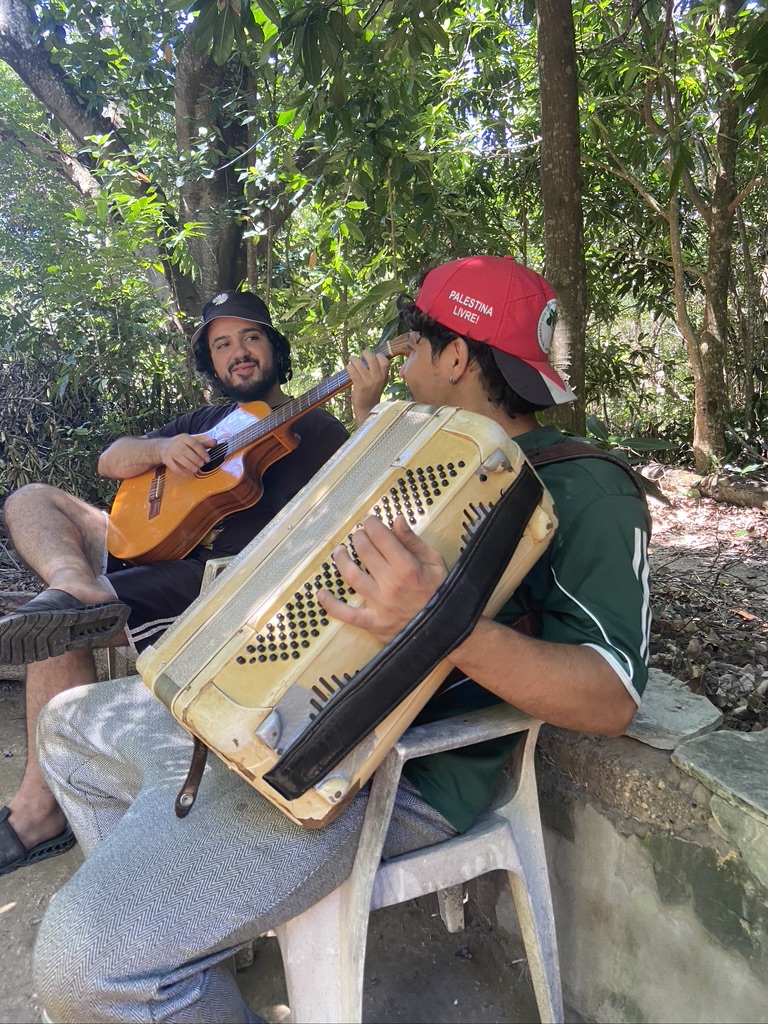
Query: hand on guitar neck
x=368 y=373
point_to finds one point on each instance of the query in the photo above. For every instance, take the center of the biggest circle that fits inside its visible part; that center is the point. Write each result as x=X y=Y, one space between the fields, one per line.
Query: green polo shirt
x=590 y=588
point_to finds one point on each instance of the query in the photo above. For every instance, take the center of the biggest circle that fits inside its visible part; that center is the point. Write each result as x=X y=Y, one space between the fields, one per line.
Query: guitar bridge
x=156 y=492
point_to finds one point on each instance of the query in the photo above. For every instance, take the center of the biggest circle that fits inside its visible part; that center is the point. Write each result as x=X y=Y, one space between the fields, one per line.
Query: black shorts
x=157 y=593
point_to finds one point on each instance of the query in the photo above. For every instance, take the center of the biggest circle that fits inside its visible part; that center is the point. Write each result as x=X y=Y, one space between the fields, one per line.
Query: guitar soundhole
x=218 y=454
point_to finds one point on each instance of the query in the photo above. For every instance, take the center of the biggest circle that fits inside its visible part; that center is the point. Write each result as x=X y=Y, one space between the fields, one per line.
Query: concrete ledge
x=659 y=876
x=670 y=713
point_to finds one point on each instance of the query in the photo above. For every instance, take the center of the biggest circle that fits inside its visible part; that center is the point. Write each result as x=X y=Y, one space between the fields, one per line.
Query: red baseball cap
x=493 y=299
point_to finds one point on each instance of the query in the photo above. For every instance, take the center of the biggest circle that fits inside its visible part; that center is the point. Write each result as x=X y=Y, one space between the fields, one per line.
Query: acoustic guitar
x=160 y=514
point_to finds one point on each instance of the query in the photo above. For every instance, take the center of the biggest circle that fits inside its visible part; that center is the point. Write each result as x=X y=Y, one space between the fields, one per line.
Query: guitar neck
x=296 y=407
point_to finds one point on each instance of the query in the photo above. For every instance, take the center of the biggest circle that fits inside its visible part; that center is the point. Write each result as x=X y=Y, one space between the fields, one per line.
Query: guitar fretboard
x=317 y=395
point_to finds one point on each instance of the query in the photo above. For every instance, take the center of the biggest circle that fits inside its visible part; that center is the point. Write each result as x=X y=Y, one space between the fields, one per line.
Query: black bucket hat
x=243 y=305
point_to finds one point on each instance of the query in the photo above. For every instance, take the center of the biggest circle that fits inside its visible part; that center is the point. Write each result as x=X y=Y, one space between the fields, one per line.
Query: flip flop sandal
x=13 y=853
x=55 y=622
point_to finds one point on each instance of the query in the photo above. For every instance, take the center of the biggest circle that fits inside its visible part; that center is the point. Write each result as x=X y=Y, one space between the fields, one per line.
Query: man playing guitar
x=92 y=598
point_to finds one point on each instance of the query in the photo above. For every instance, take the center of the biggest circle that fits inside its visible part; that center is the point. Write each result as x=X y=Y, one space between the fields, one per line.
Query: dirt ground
x=709 y=592
x=709 y=595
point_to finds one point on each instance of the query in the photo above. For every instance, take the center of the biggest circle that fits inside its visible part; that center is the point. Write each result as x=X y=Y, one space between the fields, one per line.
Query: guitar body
x=161 y=515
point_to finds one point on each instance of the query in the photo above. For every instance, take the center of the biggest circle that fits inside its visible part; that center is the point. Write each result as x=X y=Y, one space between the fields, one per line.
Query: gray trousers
x=140 y=931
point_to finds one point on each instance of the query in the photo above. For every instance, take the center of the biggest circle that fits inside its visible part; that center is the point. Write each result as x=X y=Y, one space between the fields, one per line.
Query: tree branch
x=69 y=167
x=748 y=188
x=46 y=81
x=619 y=172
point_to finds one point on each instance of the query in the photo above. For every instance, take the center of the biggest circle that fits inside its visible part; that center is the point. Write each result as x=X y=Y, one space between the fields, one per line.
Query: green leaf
x=677 y=170
x=224 y=36
x=285 y=117
x=311 y=58
x=330 y=44
x=433 y=31
x=597 y=428
x=271 y=11
x=205 y=23
x=249 y=23
x=354 y=230
x=338 y=90
x=379 y=293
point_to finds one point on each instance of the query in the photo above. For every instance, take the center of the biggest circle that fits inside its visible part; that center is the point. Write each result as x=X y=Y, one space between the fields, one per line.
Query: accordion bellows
x=254 y=667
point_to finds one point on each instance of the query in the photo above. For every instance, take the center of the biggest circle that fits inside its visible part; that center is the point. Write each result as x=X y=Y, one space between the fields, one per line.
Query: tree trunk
x=751 y=315
x=714 y=329
x=711 y=404
x=705 y=427
x=218 y=201
x=561 y=197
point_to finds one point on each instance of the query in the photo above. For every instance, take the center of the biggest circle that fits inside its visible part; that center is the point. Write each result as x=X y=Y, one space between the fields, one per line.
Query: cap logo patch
x=466 y=304
x=546 y=327
x=218 y=299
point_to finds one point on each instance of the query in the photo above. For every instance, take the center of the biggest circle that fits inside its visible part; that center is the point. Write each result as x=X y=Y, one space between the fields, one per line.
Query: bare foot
x=89 y=591
x=34 y=825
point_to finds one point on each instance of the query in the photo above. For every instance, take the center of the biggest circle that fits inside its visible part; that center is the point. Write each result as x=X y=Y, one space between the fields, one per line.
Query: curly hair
x=280 y=346
x=498 y=391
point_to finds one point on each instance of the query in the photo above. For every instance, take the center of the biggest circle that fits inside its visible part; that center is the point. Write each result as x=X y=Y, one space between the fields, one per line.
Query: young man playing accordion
x=142 y=929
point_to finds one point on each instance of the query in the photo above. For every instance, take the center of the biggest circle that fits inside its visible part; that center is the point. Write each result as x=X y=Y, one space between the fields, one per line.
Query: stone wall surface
x=658 y=860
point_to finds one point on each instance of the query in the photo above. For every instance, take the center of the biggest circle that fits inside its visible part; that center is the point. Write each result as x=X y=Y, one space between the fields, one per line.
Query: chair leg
x=323 y=953
x=324 y=948
x=537 y=926
x=451 y=904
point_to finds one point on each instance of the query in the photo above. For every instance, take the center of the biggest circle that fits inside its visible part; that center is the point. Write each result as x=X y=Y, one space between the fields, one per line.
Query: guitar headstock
x=395 y=347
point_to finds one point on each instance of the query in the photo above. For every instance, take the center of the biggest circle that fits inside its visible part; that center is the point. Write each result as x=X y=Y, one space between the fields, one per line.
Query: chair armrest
x=460 y=731
x=463 y=730
x=213 y=567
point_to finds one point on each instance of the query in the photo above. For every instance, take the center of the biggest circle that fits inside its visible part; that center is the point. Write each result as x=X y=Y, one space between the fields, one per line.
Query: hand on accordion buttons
x=400 y=575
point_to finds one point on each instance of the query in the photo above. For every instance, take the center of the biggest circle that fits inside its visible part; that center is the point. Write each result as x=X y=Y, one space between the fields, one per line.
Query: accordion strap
x=388 y=678
x=188 y=792
x=566 y=451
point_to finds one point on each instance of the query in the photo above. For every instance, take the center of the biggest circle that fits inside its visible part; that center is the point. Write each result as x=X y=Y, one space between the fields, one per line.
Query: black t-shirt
x=321 y=435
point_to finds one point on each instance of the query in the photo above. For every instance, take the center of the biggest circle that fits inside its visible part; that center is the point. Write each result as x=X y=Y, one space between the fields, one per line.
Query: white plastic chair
x=323 y=949
x=120 y=660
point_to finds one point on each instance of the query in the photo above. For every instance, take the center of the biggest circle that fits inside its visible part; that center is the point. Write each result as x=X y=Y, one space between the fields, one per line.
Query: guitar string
x=282 y=414
x=288 y=410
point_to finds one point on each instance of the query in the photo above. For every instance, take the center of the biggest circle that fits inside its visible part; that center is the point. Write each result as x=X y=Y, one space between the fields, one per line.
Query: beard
x=251 y=391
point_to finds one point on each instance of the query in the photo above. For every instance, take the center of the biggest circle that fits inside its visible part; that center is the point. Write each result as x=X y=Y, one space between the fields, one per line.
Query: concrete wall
x=658 y=862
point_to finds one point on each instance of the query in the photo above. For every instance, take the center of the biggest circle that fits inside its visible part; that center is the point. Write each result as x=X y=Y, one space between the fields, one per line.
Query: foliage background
x=324 y=154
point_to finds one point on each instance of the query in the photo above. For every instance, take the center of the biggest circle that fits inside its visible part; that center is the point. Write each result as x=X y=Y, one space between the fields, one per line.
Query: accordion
x=301 y=706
